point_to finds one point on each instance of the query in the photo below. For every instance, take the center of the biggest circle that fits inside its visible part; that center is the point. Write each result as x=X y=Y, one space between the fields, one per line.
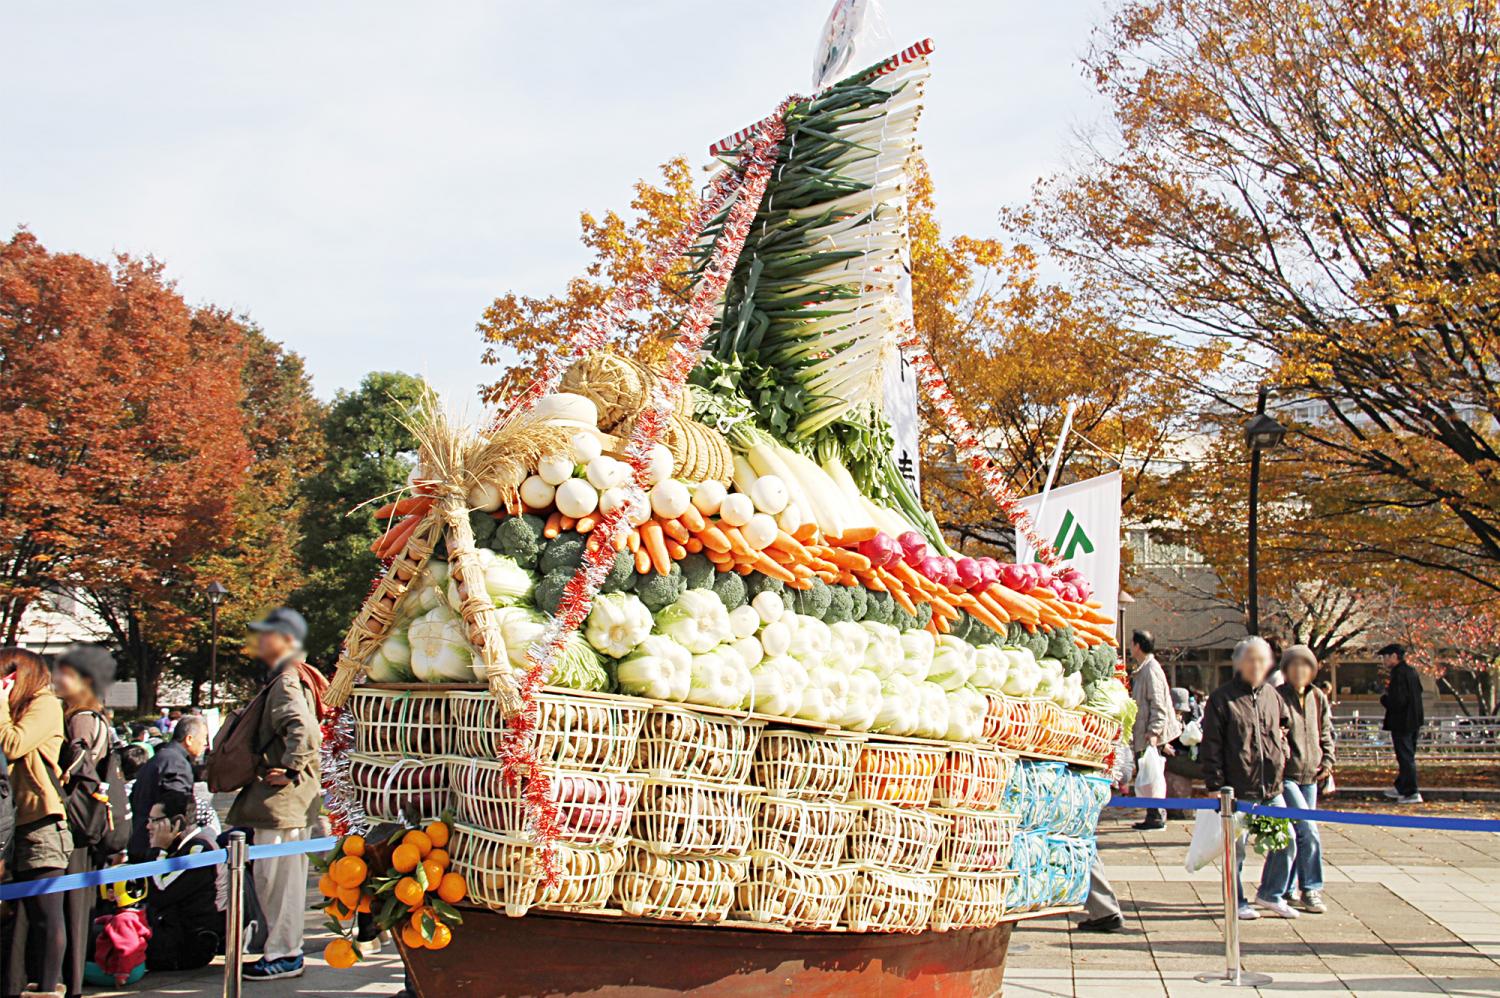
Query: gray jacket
x=291 y=738
x=1154 y=715
x=1310 y=734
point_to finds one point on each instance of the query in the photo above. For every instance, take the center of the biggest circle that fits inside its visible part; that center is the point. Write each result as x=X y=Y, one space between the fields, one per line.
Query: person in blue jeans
x=1310 y=759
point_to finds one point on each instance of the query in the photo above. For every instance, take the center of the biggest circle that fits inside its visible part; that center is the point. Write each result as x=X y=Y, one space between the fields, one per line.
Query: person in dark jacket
x=1403 y=719
x=1309 y=763
x=169 y=770
x=187 y=927
x=1245 y=747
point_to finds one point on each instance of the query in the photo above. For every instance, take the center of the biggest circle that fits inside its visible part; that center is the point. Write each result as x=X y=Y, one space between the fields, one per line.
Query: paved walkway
x=1410 y=912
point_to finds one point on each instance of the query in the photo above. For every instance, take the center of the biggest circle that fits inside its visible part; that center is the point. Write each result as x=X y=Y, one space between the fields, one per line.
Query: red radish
x=881 y=549
x=989 y=571
x=913 y=547
x=1013 y=576
x=969 y=572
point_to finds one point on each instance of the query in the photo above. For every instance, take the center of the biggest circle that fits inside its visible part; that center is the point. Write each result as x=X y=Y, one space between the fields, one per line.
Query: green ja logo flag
x=1071 y=538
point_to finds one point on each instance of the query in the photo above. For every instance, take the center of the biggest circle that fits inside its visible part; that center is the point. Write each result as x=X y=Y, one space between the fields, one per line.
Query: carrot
x=656 y=547
x=806 y=532
x=1021 y=607
x=847 y=559
x=404 y=507
x=392 y=541
x=642 y=562
x=675 y=530
x=713 y=538
x=903 y=600
x=1093 y=604
x=737 y=542
x=1095 y=617
x=794 y=548
x=585 y=524
x=743 y=568
x=993 y=606
x=871 y=581
x=553 y=527
x=693 y=545
x=909 y=576
x=942 y=608
x=941 y=622
x=676 y=551
x=982 y=614
x=622 y=540
x=693 y=520
x=932 y=627
x=767 y=565
x=855 y=535
x=831 y=578
x=723 y=559
x=847 y=579
x=566 y=522
x=633 y=540
x=802 y=571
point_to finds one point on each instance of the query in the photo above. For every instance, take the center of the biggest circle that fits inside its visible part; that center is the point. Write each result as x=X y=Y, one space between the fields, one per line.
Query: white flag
x=1082 y=521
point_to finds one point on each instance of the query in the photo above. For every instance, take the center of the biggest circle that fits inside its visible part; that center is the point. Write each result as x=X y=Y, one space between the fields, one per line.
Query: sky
x=362 y=179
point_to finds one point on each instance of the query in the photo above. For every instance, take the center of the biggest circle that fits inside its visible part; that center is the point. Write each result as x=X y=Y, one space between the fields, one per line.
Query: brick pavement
x=1410 y=912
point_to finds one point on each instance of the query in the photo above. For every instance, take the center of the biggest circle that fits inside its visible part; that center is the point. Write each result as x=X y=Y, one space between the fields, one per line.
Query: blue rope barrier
x=139 y=871
x=1380 y=819
x=1171 y=803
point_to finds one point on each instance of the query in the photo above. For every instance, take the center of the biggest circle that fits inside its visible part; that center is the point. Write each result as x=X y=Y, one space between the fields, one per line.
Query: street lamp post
x=216 y=594
x=1261 y=434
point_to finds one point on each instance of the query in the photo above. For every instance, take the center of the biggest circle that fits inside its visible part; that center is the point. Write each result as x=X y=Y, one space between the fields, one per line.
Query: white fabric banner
x=1083 y=522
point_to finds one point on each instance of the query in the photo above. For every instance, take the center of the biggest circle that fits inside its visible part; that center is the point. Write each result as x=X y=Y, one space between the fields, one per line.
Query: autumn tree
x=368 y=453
x=259 y=561
x=1460 y=648
x=519 y=331
x=1017 y=351
x=123 y=445
x=1312 y=184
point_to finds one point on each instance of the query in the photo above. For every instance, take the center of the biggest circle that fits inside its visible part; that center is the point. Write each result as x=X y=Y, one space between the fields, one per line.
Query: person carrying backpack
x=82 y=676
x=273 y=746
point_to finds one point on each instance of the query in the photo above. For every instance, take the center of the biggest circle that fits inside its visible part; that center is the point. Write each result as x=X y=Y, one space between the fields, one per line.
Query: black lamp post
x=216 y=594
x=1261 y=434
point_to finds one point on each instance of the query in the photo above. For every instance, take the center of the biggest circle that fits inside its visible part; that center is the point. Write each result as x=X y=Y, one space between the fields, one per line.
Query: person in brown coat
x=1245 y=747
x=31 y=736
x=283 y=802
x=1309 y=763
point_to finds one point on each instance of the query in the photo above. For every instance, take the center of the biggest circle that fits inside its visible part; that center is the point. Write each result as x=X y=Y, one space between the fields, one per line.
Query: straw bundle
x=372 y=624
x=698 y=453
x=617 y=385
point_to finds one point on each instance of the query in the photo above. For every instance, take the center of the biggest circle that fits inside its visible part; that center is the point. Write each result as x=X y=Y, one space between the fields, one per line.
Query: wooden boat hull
x=492 y=956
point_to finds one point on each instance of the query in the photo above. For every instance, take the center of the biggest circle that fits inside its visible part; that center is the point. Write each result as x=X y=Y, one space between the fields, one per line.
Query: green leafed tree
x=368 y=452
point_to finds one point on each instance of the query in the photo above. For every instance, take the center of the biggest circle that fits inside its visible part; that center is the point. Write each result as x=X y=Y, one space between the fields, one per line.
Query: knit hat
x=1299 y=653
x=92 y=661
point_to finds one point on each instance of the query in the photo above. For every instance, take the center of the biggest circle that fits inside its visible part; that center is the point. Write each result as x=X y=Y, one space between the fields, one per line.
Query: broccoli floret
x=859 y=602
x=840 y=605
x=1059 y=642
x=697 y=572
x=758 y=582
x=730 y=589
x=881 y=607
x=563 y=551
x=1073 y=660
x=902 y=621
x=813 y=601
x=549 y=589
x=621 y=574
x=1098 y=665
x=924 y=614
x=519 y=538
x=1036 y=641
x=660 y=591
x=982 y=634
x=483 y=526
x=963 y=627
x=1015 y=635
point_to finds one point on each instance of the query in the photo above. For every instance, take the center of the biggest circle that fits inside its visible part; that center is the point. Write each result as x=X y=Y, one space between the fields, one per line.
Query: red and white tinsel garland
x=518 y=751
x=345 y=812
x=970 y=450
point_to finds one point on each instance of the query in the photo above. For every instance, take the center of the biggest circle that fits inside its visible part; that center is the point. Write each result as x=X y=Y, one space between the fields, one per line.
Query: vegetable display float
x=680 y=658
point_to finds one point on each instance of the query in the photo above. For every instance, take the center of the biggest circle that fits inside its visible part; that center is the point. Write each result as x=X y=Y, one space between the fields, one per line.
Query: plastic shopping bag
x=1208 y=840
x=1151 y=774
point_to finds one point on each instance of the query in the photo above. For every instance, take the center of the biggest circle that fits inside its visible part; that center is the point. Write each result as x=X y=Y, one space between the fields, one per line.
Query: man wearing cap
x=282 y=803
x=1403 y=719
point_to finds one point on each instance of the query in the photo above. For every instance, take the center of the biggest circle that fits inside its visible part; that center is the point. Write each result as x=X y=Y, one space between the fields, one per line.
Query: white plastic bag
x=1208 y=840
x=1151 y=774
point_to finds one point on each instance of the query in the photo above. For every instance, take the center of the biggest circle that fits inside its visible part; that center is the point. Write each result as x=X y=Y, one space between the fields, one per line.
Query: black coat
x=1403 y=700
x=169 y=769
x=182 y=907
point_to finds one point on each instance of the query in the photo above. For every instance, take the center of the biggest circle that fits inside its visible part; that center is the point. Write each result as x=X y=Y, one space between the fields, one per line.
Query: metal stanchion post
x=1232 y=976
x=234 y=918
